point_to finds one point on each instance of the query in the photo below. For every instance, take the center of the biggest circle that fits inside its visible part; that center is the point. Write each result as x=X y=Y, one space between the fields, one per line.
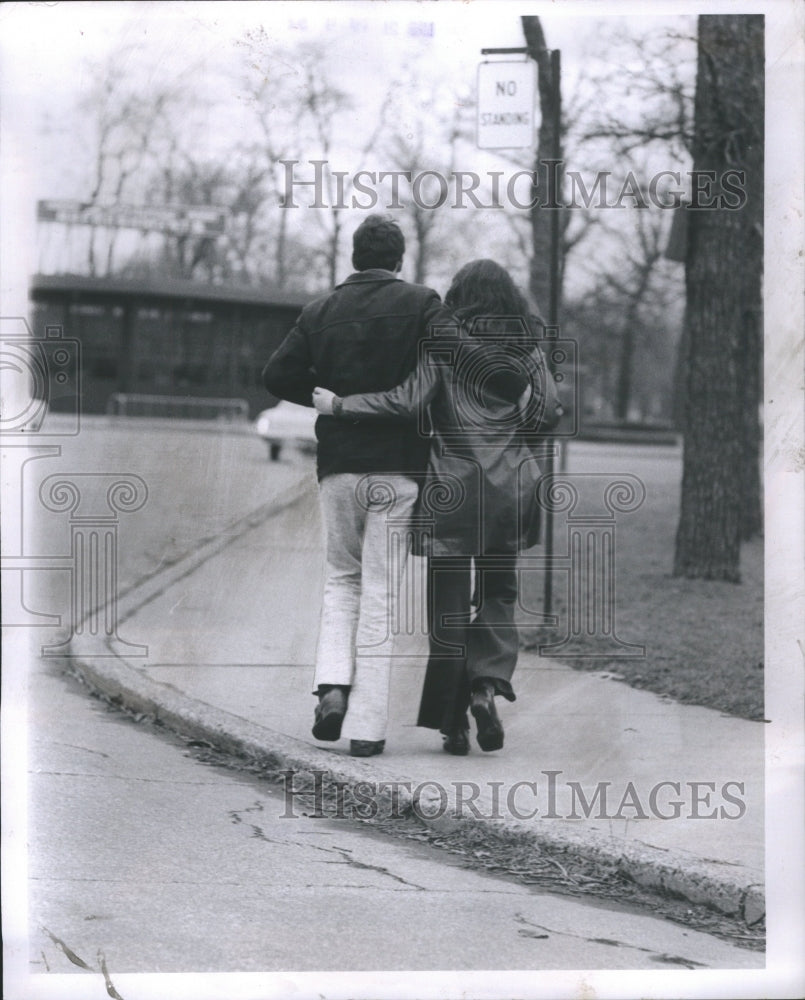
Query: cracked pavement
x=144 y=859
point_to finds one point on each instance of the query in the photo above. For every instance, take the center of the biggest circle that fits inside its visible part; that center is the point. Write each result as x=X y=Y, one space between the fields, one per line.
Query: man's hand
x=323 y=400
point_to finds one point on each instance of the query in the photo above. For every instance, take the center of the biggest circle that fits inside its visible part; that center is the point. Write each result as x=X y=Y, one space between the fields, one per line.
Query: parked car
x=287 y=423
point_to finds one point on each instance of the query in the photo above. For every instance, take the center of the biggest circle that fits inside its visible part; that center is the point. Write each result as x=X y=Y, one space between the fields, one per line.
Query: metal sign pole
x=554 y=154
x=553 y=313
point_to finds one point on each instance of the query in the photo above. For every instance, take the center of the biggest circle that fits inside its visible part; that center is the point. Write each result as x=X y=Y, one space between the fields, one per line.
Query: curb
x=666 y=871
x=712 y=884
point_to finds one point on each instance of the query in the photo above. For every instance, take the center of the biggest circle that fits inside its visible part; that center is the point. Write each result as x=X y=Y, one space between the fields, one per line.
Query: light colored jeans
x=366 y=519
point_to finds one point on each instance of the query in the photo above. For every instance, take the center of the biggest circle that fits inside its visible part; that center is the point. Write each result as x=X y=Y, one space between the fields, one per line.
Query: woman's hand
x=323 y=400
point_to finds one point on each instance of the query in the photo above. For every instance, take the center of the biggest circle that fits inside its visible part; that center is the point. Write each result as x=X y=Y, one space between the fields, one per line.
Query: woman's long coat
x=483 y=400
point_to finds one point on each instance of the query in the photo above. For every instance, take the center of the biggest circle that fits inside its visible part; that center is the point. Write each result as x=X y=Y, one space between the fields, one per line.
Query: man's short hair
x=377 y=242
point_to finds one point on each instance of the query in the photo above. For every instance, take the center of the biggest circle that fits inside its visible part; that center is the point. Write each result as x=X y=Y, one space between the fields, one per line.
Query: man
x=361 y=337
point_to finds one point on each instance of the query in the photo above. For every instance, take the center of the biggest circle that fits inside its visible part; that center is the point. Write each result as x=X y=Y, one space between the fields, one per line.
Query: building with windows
x=165 y=337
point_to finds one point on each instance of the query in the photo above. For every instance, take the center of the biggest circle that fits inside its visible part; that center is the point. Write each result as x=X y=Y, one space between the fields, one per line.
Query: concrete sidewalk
x=592 y=769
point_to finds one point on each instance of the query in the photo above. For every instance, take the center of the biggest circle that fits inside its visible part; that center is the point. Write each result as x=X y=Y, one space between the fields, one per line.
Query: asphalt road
x=145 y=859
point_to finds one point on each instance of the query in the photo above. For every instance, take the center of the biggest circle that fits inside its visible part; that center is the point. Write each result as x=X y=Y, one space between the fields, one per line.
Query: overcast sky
x=48 y=68
x=49 y=47
x=54 y=46
x=47 y=51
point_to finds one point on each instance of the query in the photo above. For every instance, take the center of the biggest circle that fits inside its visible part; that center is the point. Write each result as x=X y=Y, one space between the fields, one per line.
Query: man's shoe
x=457 y=742
x=330 y=712
x=490 y=730
x=366 y=748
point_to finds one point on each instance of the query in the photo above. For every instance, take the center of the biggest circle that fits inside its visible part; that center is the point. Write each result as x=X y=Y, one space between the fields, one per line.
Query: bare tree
x=633 y=276
x=428 y=123
x=129 y=126
x=325 y=119
x=627 y=320
x=272 y=87
x=648 y=80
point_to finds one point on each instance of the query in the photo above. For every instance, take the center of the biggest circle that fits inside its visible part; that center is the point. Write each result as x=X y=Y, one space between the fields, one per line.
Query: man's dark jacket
x=361 y=337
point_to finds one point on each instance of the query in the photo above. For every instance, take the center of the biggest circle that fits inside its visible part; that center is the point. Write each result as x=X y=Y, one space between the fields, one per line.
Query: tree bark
x=752 y=356
x=678 y=390
x=280 y=265
x=722 y=277
x=623 y=394
x=752 y=300
x=335 y=240
x=548 y=142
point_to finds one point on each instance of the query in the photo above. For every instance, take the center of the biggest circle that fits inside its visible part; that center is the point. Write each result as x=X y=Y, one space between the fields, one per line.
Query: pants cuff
x=501 y=687
x=322 y=689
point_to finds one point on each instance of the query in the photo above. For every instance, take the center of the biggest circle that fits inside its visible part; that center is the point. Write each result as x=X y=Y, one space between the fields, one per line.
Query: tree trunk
x=91 y=252
x=752 y=357
x=752 y=318
x=678 y=393
x=422 y=228
x=722 y=278
x=547 y=145
x=280 y=265
x=335 y=241
x=623 y=396
x=623 y=393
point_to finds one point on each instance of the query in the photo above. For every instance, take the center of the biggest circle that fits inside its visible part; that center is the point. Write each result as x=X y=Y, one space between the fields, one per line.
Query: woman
x=483 y=388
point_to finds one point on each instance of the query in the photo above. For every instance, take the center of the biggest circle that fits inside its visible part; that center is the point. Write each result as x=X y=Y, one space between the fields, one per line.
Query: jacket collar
x=370 y=274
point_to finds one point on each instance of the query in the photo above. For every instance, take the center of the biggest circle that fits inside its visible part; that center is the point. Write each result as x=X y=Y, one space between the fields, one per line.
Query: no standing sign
x=507 y=104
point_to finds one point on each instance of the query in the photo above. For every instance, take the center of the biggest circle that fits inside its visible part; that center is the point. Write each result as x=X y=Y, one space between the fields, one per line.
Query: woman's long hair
x=484 y=291
x=493 y=309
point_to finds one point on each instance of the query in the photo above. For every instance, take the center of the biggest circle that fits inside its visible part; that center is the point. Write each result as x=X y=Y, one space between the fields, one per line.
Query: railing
x=131 y=404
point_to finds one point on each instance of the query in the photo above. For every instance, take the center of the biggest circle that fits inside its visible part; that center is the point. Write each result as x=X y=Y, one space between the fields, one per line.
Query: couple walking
x=426 y=408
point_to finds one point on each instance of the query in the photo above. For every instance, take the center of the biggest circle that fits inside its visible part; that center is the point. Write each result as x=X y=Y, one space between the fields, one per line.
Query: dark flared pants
x=463 y=652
